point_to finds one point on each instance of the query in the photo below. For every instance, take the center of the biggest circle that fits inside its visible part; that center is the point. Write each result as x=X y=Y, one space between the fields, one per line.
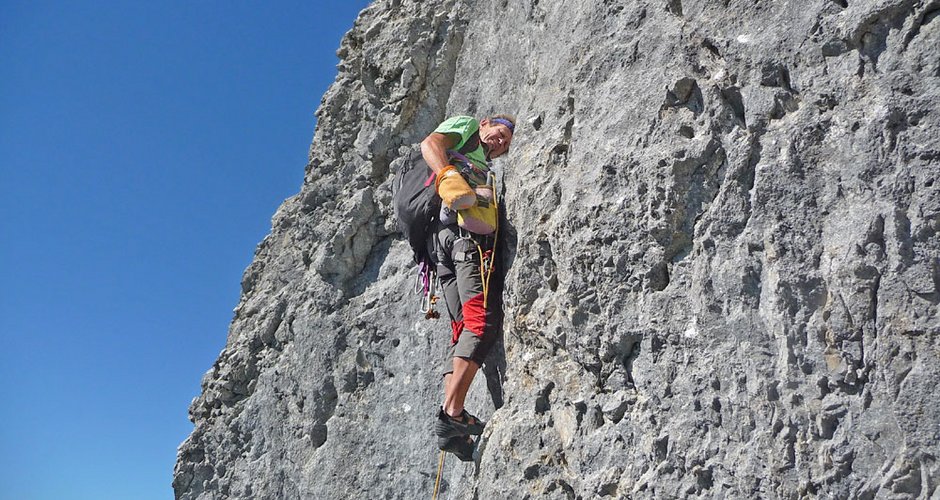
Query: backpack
x=415 y=200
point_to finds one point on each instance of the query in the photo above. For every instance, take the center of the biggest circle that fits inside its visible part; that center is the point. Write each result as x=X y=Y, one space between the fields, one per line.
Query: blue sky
x=144 y=147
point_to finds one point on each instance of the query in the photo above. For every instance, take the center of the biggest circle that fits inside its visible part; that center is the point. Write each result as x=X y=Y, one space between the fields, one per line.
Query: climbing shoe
x=447 y=427
x=461 y=446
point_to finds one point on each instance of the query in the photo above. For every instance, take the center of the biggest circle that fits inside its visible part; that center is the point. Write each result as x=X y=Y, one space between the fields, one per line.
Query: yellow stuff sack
x=481 y=218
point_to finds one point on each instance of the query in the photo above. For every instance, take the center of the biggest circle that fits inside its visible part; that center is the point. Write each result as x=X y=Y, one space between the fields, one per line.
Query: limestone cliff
x=723 y=261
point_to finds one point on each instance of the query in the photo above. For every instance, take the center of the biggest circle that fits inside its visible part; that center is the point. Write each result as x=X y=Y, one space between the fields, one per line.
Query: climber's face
x=495 y=137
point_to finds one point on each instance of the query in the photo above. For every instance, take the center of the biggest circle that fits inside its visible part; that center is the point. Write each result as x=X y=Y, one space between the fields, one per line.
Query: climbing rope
x=437 y=482
x=487 y=259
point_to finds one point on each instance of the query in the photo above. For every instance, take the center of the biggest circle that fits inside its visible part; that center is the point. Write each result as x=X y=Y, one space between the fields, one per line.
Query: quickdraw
x=486 y=270
x=425 y=284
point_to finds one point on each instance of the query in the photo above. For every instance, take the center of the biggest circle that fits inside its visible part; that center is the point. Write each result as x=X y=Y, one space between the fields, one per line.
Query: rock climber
x=461 y=244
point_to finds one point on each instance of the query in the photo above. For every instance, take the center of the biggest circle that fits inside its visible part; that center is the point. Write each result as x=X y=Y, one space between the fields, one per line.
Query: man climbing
x=461 y=245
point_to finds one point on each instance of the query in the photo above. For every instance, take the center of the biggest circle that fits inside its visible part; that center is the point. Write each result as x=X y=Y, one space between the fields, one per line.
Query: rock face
x=722 y=261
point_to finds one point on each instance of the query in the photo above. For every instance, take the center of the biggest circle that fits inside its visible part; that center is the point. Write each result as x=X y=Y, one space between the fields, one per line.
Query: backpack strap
x=472 y=143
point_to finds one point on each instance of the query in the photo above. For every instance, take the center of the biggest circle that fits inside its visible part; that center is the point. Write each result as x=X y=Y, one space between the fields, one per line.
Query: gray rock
x=723 y=265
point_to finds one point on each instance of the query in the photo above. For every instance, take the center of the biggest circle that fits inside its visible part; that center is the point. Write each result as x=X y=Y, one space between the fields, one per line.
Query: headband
x=505 y=122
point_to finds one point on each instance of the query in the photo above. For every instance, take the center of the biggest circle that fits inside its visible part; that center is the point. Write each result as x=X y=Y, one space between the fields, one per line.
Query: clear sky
x=144 y=147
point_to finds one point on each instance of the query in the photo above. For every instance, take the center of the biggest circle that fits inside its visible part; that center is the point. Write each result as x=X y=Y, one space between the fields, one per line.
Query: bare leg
x=457 y=384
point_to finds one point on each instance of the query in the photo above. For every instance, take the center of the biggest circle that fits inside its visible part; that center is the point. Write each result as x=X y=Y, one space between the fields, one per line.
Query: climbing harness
x=437 y=483
x=466 y=166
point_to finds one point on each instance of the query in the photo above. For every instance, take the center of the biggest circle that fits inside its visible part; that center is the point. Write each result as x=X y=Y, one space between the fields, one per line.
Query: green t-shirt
x=465 y=127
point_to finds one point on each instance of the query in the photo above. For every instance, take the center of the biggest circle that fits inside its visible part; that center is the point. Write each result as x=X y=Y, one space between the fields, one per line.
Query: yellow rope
x=484 y=272
x=437 y=483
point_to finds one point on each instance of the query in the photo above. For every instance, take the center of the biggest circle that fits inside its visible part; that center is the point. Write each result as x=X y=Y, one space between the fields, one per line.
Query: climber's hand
x=454 y=190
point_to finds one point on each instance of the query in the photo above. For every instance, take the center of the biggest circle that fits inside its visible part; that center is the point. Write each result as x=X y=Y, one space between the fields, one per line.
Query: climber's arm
x=450 y=185
x=434 y=149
